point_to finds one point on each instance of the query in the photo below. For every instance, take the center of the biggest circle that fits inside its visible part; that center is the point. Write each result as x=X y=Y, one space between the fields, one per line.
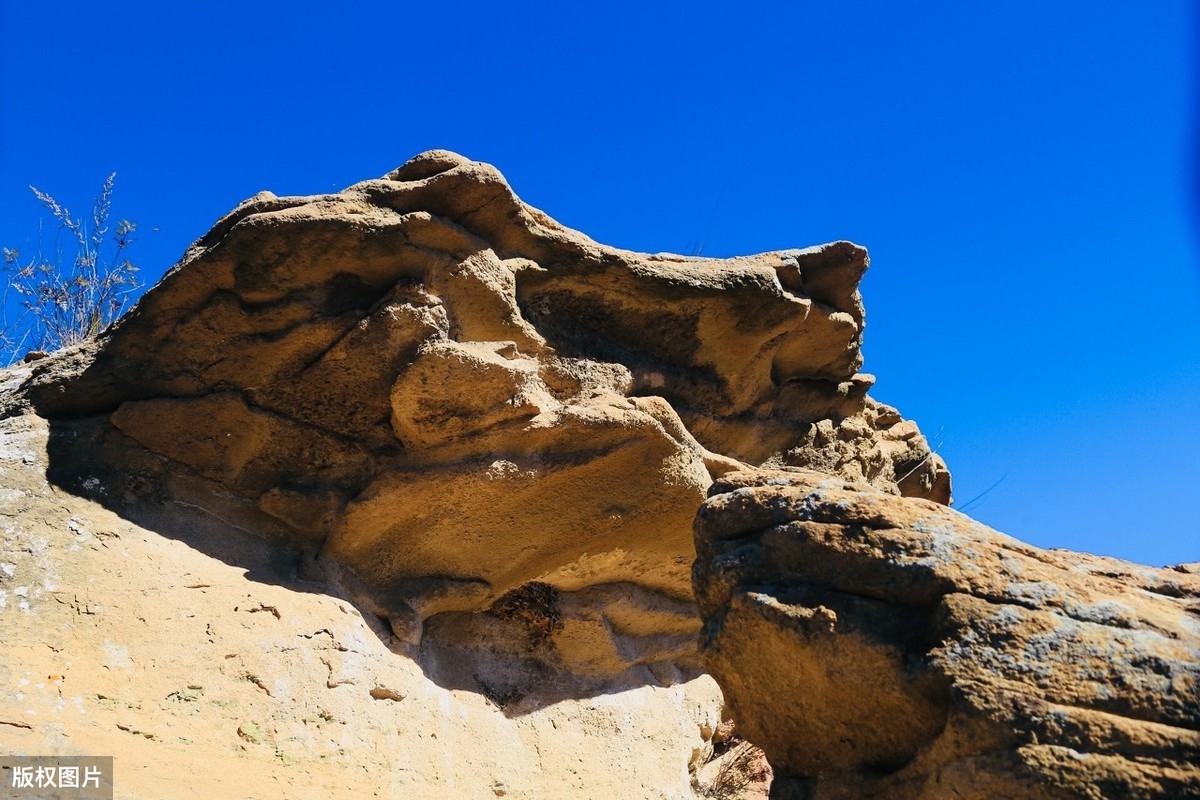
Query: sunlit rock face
x=880 y=646
x=461 y=404
x=565 y=472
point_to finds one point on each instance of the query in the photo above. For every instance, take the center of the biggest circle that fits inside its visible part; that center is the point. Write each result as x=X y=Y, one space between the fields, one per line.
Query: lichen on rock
x=901 y=649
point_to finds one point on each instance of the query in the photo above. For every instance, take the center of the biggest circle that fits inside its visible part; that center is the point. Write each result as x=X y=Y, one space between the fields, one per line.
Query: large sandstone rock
x=426 y=382
x=877 y=646
x=494 y=435
x=211 y=670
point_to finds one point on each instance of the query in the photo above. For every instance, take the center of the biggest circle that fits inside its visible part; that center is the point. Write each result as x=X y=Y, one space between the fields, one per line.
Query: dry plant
x=744 y=773
x=76 y=291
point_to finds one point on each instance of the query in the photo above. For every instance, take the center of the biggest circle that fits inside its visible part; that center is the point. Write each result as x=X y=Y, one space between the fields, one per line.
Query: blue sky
x=1024 y=175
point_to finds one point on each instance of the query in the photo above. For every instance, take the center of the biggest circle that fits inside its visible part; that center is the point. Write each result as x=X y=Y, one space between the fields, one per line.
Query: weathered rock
x=436 y=386
x=193 y=652
x=495 y=433
x=881 y=646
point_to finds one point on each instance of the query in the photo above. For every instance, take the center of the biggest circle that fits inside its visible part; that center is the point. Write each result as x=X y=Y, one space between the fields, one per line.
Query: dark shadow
x=503 y=656
x=81 y=461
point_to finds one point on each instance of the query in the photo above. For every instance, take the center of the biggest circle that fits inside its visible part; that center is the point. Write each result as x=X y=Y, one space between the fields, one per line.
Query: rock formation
x=494 y=435
x=431 y=384
x=193 y=653
x=877 y=646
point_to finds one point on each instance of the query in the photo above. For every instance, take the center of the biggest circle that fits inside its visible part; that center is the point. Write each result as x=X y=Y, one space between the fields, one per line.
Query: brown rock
x=429 y=383
x=495 y=433
x=196 y=655
x=890 y=647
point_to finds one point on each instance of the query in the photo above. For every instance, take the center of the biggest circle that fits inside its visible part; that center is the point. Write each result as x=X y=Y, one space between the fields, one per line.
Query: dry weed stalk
x=68 y=297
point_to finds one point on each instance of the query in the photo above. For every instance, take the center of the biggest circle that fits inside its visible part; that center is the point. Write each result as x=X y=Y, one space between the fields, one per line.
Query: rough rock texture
x=877 y=646
x=405 y=480
x=429 y=383
x=196 y=655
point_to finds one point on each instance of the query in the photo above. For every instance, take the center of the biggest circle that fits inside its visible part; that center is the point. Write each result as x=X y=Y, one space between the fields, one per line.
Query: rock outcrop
x=877 y=646
x=471 y=408
x=542 y=470
x=196 y=655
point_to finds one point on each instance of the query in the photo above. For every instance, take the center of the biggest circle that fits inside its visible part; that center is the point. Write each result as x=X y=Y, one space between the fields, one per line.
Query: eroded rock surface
x=429 y=383
x=494 y=434
x=878 y=646
x=211 y=670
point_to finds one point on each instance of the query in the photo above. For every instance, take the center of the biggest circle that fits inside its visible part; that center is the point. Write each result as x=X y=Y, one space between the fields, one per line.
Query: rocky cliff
x=888 y=647
x=458 y=406
x=491 y=435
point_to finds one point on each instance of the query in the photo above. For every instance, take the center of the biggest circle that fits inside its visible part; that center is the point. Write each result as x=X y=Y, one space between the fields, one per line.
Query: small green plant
x=75 y=290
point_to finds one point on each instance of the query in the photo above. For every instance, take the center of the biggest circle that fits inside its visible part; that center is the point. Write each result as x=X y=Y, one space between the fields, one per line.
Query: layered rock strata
x=877 y=646
x=472 y=408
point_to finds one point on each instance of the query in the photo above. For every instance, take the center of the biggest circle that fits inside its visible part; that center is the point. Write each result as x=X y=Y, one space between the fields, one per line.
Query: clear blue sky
x=1024 y=175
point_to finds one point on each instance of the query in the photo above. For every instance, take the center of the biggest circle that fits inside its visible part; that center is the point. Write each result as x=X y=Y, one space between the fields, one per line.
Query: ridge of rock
x=445 y=397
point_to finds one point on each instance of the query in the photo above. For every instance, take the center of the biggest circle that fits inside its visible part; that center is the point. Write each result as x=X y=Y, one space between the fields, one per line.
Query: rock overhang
x=428 y=382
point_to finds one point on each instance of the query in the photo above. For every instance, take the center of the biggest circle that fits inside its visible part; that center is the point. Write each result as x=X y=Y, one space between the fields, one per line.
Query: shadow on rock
x=534 y=646
x=489 y=431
